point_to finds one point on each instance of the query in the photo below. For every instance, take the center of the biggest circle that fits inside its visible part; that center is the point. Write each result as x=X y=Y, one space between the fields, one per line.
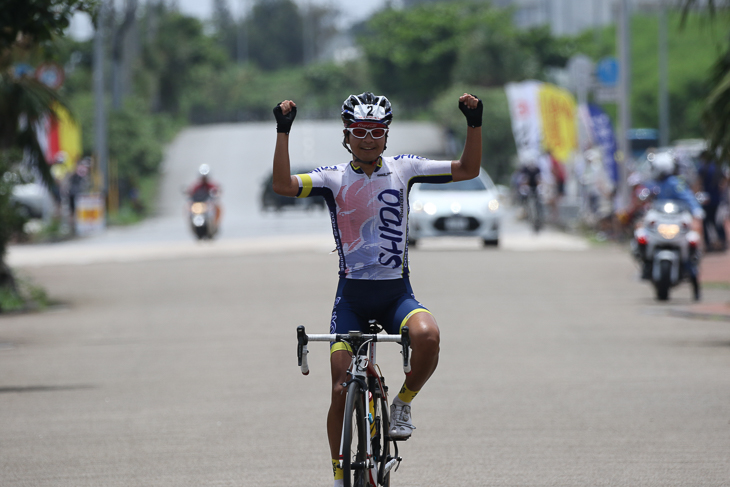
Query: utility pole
x=100 y=134
x=624 y=43
x=663 y=78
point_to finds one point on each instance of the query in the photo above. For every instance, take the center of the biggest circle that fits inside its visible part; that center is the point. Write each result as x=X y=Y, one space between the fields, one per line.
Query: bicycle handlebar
x=303 y=339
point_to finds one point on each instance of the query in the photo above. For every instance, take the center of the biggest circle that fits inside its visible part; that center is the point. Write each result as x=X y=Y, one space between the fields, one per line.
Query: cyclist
x=368 y=202
x=531 y=178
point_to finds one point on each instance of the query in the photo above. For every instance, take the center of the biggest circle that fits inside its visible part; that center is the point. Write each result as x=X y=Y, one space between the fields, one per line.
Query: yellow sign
x=558 y=115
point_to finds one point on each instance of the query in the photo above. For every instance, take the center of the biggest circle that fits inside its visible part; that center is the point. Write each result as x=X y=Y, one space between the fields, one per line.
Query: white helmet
x=204 y=169
x=662 y=164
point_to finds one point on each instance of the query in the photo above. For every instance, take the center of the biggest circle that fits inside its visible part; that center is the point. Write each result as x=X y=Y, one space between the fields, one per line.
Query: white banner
x=89 y=216
x=524 y=111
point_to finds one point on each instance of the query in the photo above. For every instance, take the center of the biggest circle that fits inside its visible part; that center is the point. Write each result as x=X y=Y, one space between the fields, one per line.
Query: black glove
x=473 y=115
x=283 y=122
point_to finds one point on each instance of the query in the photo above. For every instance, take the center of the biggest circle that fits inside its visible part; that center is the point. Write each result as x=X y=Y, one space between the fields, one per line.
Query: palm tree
x=25 y=25
x=716 y=114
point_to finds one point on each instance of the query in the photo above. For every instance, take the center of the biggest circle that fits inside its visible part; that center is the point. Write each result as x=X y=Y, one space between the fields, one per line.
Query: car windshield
x=476 y=184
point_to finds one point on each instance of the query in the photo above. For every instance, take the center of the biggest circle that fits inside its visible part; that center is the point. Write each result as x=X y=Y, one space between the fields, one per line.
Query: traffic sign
x=50 y=74
x=607 y=71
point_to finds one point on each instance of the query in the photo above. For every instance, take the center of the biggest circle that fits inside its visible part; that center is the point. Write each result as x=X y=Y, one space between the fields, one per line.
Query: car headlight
x=494 y=205
x=417 y=206
x=430 y=208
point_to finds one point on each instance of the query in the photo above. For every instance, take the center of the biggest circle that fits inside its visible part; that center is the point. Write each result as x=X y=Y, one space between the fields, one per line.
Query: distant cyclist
x=367 y=197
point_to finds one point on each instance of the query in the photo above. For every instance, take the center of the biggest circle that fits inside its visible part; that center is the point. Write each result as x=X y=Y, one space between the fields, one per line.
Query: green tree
x=494 y=52
x=275 y=34
x=226 y=28
x=716 y=111
x=177 y=46
x=716 y=115
x=411 y=53
x=25 y=25
x=498 y=146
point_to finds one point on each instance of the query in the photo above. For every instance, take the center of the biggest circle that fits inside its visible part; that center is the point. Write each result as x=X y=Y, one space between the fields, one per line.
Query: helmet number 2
x=370 y=111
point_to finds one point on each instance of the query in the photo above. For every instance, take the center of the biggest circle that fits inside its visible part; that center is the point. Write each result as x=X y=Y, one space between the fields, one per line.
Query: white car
x=33 y=199
x=468 y=208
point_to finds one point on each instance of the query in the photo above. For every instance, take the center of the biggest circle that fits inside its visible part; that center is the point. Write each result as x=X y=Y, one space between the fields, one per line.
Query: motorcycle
x=667 y=249
x=203 y=214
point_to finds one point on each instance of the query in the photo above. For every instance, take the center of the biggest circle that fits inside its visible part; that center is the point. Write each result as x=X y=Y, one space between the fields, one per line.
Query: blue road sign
x=607 y=71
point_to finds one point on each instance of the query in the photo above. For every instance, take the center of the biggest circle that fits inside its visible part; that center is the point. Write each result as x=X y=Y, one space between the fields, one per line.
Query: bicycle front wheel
x=381 y=412
x=355 y=435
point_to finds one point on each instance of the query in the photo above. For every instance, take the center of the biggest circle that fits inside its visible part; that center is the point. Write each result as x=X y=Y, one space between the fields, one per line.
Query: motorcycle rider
x=205 y=190
x=666 y=185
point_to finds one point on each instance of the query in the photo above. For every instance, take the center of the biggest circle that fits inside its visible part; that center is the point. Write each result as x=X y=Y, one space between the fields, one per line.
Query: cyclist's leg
x=425 y=343
x=424 y=333
x=339 y=361
x=425 y=340
x=344 y=319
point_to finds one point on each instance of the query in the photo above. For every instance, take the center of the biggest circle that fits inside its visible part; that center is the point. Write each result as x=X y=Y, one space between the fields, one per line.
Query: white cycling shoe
x=400 y=420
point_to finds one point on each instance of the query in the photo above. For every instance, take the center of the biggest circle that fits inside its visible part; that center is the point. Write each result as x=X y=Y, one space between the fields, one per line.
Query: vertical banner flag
x=558 y=116
x=603 y=136
x=60 y=138
x=525 y=115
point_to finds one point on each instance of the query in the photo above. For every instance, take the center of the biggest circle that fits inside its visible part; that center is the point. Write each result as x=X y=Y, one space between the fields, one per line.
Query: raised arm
x=467 y=167
x=283 y=182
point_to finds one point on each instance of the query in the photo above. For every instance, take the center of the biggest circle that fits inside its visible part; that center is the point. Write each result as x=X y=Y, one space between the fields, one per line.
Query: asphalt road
x=170 y=362
x=557 y=369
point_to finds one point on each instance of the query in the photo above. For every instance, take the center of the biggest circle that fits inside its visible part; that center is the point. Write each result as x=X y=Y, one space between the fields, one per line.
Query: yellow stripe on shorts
x=417 y=310
x=340 y=346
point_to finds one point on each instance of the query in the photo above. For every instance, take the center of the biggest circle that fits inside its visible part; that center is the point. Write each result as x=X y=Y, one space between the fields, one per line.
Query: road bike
x=534 y=209
x=367 y=452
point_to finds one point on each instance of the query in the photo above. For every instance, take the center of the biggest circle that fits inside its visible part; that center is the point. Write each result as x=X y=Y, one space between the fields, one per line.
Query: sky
x=351 y=11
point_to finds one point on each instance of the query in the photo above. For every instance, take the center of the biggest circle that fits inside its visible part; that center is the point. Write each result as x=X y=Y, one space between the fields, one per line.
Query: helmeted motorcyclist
x=667 y=186
x=205 y=190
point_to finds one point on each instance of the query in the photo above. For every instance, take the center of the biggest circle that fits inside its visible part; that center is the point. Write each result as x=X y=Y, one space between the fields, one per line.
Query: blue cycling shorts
x=391 y=302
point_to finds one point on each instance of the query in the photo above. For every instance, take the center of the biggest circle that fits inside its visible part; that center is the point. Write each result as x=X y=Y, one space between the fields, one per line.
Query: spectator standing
x=714 y=184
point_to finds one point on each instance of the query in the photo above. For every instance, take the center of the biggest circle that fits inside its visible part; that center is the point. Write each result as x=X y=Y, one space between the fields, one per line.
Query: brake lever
x=302 y=340
x=405 y=342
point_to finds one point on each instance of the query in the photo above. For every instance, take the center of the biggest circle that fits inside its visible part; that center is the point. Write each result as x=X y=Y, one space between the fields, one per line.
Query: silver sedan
x=465 y=208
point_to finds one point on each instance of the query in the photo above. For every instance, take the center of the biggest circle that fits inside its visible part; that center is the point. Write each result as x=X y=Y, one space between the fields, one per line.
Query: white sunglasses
x=361 y=133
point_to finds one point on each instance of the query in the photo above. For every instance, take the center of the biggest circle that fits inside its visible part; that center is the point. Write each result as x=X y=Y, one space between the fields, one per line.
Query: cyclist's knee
x=338 y=390
x=339 y=362
x=424 y=332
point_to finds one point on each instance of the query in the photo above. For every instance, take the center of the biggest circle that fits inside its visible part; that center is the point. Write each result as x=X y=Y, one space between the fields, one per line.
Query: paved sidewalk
x=715 y=279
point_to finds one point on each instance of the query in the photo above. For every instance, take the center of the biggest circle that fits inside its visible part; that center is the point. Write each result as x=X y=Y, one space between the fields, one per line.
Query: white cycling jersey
x=370 y=214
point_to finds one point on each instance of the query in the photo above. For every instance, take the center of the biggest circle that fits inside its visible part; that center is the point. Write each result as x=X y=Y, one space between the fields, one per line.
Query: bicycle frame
x=362 y=368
